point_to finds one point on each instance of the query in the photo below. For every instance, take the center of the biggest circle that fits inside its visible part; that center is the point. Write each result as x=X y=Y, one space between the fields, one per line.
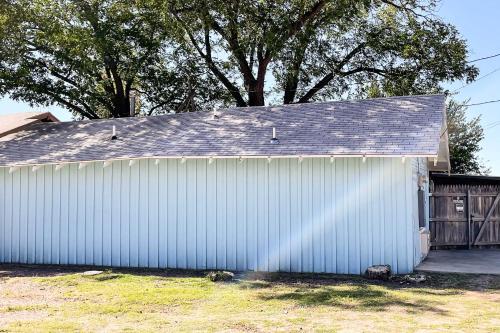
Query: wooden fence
x=465 y=215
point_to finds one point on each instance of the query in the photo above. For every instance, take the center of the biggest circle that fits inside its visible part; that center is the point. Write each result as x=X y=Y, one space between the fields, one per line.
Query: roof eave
x=442 y=162
x=31 y=164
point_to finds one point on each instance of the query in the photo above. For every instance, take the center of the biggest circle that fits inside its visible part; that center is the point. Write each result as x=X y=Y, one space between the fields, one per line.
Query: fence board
x=465 y=215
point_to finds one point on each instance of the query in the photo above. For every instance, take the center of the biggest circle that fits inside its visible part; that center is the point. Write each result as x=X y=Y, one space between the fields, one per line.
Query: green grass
x=118 y=301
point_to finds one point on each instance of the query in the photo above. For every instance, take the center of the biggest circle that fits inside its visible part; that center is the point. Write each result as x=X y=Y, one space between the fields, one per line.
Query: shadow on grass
x=105 y=277
x=437 y=284
x=17 y=270
x=359 y=297
x=435 y=292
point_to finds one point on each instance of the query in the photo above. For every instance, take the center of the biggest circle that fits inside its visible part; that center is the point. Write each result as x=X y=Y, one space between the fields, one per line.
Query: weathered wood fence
x=465 y=215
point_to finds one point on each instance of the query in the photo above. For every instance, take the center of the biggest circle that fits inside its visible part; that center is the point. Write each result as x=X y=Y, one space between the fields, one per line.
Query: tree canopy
x=298 y=51
x=464 y=138
x=90 y=56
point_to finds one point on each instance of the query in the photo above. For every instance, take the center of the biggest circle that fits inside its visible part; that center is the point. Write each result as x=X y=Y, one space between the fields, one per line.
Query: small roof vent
x=215 y=115
x=113 y=136
x=274 y=139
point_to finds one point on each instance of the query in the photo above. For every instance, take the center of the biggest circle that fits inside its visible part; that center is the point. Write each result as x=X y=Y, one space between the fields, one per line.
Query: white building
x=334 y=191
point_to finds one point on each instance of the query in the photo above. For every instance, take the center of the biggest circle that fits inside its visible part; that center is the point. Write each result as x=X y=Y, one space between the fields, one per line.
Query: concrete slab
x=486 y=261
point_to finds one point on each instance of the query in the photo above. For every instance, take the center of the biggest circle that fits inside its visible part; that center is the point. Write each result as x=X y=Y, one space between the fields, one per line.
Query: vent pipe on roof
x=214 y=114
x=274 y=138
x=113 y=136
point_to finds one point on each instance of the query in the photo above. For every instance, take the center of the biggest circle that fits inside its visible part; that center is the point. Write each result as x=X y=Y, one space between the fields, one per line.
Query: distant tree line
x=464 y=136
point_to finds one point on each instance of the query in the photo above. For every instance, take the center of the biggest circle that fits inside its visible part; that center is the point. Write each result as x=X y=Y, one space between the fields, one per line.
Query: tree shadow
x=437 y=292
x=445 y=284
x=40 y=270
x=358 y=297
x=358 y=293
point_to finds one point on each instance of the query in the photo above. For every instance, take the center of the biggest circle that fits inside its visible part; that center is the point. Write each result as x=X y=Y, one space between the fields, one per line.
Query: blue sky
x=478 y=23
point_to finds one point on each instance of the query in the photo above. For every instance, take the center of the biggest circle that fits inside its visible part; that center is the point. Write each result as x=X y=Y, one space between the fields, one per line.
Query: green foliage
x=318 y=49
x=464 y=137
x=91 y=56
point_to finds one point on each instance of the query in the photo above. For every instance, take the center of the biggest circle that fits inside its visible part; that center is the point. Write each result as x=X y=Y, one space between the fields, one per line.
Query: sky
x=478 y=23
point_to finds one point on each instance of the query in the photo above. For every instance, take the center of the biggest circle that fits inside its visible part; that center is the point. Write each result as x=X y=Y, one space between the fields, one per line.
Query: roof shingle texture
x=395 y=126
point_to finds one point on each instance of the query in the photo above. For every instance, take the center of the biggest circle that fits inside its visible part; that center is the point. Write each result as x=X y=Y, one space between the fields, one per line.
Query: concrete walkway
x=485 y=261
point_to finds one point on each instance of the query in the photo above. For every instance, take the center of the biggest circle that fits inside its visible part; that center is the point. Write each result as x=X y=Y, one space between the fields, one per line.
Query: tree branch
x=293 y=72
x=296 y=26
x=83 y=112
x=89 y=113
x=404 y=8
x=160 y=105
x=327 y=78
x=233 y=40
x=207 y=56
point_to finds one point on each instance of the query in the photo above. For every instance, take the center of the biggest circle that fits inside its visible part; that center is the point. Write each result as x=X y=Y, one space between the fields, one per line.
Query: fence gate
x=465 y=216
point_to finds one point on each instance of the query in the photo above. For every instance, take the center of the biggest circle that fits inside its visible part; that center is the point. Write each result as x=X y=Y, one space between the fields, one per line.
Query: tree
x=91 y=56
x=464 y=138
x=319 y=49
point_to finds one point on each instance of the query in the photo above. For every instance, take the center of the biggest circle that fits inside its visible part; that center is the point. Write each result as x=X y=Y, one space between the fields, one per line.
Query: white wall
x=419 y=167
x=309 y=216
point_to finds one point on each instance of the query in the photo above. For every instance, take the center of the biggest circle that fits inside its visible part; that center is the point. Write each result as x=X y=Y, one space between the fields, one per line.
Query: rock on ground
x=414 y=278
x=379 y=272
x=88 y=273
x=220 y=276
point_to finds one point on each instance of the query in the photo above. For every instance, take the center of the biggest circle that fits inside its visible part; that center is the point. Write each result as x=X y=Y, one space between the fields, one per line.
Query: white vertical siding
x=286 y=215
x=419 y=167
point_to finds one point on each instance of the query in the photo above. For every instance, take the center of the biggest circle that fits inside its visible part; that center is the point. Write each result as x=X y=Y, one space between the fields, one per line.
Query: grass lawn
x=43 y=299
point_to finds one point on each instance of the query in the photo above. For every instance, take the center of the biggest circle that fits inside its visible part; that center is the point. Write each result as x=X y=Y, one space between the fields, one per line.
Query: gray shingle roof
x=395 y=126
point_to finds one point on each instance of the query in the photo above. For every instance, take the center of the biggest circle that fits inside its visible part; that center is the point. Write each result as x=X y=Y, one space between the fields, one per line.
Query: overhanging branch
x=207 y=56
x=327 y=78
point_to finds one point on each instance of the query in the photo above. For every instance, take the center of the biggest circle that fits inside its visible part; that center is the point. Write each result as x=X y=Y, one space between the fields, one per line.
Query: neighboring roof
x=14 y=122
x=454 y=179
x=395 y=126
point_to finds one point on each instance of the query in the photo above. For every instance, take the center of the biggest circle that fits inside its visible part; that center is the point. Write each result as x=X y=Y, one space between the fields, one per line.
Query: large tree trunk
x=122 y=107
x=255 y=87
x=256 y=94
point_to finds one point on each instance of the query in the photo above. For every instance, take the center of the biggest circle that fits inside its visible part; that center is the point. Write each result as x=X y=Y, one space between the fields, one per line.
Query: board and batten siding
x=419 y=167
x=313 y=215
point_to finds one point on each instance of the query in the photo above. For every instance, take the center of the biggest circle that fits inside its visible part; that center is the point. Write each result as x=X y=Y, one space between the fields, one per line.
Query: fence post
x=469 y=228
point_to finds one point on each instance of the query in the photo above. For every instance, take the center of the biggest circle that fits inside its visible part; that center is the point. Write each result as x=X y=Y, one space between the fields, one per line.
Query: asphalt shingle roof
x=395 y=126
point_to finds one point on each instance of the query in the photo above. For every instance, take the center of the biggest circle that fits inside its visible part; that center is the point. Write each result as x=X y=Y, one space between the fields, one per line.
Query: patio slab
x=484 y=261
